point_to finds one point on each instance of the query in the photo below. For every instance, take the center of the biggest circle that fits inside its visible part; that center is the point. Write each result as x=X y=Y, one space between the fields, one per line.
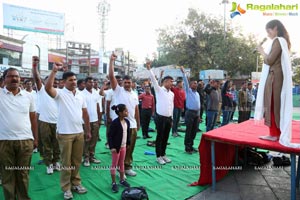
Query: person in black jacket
x=118 y=139
x=212 y=104
x=227 y=102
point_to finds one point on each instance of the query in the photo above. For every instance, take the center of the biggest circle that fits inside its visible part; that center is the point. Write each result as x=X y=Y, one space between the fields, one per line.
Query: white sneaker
x=68 y=195
x=35 y=150
x=50 y=169
x=160 y=160
x=166 y=159
x=56 y=167
x=86 y=163
x=130 y=172
x=79 y=189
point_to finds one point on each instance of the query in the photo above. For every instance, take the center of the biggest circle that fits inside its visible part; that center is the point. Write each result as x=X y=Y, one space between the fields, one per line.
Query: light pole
x=128 y=54
x=256 y=63
x=224 y=2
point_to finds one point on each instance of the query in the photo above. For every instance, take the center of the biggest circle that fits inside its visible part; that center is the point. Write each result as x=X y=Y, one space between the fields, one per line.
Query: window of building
x=8 y=57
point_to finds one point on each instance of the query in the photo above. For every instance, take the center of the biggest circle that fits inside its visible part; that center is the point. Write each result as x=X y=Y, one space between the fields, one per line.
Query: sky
x=132 y=24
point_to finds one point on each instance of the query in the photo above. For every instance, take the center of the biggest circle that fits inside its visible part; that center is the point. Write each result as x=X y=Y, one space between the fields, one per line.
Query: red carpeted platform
x=226 y=137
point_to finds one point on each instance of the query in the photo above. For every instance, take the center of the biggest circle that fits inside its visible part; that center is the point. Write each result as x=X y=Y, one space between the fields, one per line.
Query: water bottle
x=149 y=153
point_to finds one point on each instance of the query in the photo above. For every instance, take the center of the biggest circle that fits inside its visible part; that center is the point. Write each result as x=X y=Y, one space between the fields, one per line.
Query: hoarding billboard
x=28 y=19
x=212 y=74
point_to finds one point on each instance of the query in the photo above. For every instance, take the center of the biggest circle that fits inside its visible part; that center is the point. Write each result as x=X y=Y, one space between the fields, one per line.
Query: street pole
x=256 y=63
x=89 y=62
x=128 y=63
x=224 y=2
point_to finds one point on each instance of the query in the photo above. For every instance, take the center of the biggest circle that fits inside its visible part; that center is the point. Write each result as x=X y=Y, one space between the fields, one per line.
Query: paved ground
x=269 y=183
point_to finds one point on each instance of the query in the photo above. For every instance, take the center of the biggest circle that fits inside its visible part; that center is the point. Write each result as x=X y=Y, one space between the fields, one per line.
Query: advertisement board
x=212 y=74
x=34 y=20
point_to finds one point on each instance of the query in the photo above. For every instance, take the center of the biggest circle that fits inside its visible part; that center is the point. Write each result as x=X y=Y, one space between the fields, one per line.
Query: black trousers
x=145 y=120
x=243 y=116
x=192 y=123
x=201 y=110
x=163 y=126
x=249 y=108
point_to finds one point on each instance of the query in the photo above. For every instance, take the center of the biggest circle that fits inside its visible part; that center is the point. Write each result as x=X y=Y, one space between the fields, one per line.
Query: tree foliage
x=296 y=70
x=198 y=43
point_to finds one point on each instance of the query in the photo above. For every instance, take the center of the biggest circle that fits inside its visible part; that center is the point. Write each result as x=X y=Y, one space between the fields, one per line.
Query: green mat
x=162 y=182
x=296 y=116
x=165 y=182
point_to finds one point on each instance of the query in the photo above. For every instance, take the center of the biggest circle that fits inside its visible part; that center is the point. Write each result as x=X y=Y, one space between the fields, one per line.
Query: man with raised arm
x=47 y=120
x=126 y=96
x=71 y=110
x=164 y=112
x=192 y=113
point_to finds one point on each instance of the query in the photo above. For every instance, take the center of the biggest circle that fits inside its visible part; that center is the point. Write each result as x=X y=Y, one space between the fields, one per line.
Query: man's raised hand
x=35 y=61
x=148 y=64
x=113 y=57
x=57 y=66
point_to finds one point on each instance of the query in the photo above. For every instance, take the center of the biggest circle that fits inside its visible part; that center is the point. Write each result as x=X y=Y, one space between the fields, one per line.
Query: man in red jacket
x=148 y=108
x=179 y=99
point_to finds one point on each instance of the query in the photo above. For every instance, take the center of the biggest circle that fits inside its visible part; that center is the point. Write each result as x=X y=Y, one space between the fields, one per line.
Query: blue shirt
x=192 y=96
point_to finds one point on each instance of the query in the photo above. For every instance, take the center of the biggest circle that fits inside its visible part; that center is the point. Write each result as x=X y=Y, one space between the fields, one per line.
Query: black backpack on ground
x=279 y=161
x=256 y=158
x=134 y=193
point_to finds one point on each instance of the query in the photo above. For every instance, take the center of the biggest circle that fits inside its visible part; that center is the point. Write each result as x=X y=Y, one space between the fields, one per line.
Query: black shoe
x=148 y=136
x=144 y=137
x=151 y=143
x=194 y=150
x=124 y=183
x=151 y=130
x=175 y=135
x=114 y=188
x=188 y=151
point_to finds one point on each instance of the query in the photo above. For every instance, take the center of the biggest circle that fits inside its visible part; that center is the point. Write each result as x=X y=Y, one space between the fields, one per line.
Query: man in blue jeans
x=212 y=104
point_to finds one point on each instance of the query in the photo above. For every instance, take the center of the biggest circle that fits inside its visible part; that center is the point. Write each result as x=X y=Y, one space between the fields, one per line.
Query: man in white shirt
x=126 y=96
x=80 y=85
x=71 y=110
x=28 y=87
x=101 y=102
x=92 y=99
x=109 y=102
x=47 y=120
x=18 y=136
x=164 y=112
